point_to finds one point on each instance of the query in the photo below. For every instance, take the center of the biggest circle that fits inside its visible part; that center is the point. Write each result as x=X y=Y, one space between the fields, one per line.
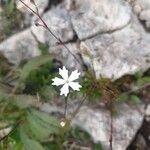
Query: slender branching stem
x=111 y=127
x=81 y=103
x=48 y=29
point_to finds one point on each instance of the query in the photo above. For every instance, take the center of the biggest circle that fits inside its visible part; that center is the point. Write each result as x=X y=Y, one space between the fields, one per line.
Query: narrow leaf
x=29 y=144
x=46 y=118
x=38 y=131
x=135 y=99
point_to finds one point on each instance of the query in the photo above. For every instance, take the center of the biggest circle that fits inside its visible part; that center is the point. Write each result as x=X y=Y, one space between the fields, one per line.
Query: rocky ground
x=112 y=38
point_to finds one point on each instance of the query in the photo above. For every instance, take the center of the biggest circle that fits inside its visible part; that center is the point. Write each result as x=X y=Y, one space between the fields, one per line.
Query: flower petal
x=64 y=73
x=75 y=86
x=64 y=90
x=58 y=81
x=74 y=75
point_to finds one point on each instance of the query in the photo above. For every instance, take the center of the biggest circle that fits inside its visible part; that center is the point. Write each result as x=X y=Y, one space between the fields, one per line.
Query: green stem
x=66 y=104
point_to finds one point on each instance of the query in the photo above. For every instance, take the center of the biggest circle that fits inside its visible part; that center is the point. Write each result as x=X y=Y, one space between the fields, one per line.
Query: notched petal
x=74 y=75
x=75 y=86
x=64 y=73
x=64 y=90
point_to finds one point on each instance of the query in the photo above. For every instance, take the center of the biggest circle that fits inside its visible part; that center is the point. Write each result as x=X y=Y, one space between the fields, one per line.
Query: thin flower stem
x=28 y=7
x=111 y=128
x=37 y=10
x=66 y=104
x=58 y=39
x=81 y=103
x=77 y=109
x=48 y=29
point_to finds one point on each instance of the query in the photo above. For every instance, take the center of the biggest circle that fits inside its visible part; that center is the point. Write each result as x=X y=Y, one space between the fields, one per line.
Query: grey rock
x=23 y=46
x=92 y=17
x=147 y=113
x=125 y=125
x=40 y=4
x=142 y=9
x=19 y=47
x=28 y=15
x=4 y=132
x=97 y=122
x=139 y=142
x=66 y=57
x=122 y=52
x=58 y=20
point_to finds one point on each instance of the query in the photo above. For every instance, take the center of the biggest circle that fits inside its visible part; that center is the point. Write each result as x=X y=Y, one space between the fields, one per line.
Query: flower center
x=66 y=81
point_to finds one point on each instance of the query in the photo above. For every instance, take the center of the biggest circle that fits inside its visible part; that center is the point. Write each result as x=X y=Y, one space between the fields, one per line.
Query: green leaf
x=29 y=144
x=24 y=101
x=123 y=98
x=43 y=48
x=18 y=146
x=38 y=131
x=53 y=145
x=138 y=75
x=42 y=124
x=11 y=6
x=4 y=91
x=143 y=81
x=80 y=135
x=46 y=118
x=48 y=92
x=98 y=147
x=33 y=64
x=135 y=99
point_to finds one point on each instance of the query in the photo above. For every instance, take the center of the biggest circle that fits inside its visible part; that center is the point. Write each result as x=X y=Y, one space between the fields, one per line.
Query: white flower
x=67 y=81
x=62 y=123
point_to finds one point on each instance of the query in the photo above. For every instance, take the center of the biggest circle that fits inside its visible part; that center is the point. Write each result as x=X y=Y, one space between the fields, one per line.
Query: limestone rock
x=147 y=113
x=58 y=21
x=19 y=47
x=92 y=17
x=40 y=4
x=122 y=52
x=97 y=122
x=139 y=141
x=142 y=9
x=29 y=18
x=68 y=60
x=4 y=132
